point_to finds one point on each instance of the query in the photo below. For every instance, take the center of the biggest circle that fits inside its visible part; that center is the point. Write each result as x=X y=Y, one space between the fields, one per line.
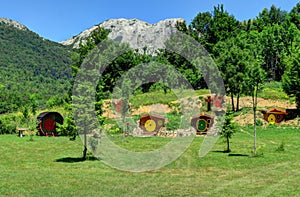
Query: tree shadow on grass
x=231 y=154
x=220 y=151
x=76 y=159
x=237 y=155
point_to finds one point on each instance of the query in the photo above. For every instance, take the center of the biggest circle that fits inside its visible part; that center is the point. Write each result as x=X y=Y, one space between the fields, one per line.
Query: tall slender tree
x=253 y=84
x=84 y=89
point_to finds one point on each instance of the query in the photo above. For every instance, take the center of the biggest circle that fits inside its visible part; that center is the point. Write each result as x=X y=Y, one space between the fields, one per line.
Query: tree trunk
x=298 y=102
x=273 y=69
x=84 y=153
x=209 y=106
x=254 y=150
x=238 y=102
x=228 y=145
x=85 y=147
x=254 y=100
x=232 y=102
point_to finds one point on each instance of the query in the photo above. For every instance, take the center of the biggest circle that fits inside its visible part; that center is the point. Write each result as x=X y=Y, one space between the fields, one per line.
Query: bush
x=174 y=120
x=280 y=148
x=228 y=129
x=7 y=128
x=68 y=128
x=259 y=122
x=9 y=122
x=115 y=129
x=273 y=90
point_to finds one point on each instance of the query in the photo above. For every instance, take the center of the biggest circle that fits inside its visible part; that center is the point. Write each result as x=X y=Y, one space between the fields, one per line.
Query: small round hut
x=275 y=115
x=150 y=124
x=47 y=123
x=202 y=122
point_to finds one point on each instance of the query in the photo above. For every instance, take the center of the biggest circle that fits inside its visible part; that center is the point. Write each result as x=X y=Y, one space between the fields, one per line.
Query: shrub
x=68 y=128
x=259 y=122
x=7 y=128
x=280 y=148
x=115 y=129
x=228 y=129
x=9 y=122
x=273 y=90
x=174 y=120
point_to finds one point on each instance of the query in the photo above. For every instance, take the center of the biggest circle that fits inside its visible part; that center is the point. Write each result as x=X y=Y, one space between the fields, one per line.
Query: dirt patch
x=159 y=109
x=263 y=103
x=247 y=118
x=196 y=105
x=185 y=104
x=295 y=122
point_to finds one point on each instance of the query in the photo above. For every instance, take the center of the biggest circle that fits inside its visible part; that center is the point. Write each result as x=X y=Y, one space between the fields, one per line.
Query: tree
x=273 y=49
x=199 y=28
x=223 y=26
x=83 y=89
x=228 y=130
x=186 y=68
x=295 y=15
x=232 y=61
x=292 y=38
x=253 y=84
x=34 y=103
x=68 y=128
x=214 y=27
x=276 y=36
x=291 y=77
x=91 y=42
x=100 y=68
x=270 y=17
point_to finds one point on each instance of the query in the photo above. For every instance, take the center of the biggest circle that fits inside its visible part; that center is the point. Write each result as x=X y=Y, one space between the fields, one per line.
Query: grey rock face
x=13 y=23
x=138 y=34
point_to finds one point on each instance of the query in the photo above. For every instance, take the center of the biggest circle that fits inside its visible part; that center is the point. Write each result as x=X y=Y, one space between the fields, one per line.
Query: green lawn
x=50 y=166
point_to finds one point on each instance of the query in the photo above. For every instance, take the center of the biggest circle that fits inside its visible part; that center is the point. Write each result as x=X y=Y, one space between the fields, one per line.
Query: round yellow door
x=272 y=119
x=150 y=125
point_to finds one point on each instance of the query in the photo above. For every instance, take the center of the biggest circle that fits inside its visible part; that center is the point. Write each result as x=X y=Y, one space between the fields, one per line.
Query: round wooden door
x=271 y=119
x=150 y=125
x=202 y=125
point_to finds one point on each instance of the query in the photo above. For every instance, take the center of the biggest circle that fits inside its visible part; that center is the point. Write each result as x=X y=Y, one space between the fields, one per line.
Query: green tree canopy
x=291 y=77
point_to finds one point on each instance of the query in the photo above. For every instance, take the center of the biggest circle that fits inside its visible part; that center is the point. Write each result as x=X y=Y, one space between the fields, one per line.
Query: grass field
x=51 y=166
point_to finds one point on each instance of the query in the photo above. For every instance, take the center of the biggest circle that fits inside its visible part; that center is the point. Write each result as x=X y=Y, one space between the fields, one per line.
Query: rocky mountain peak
x=13 y=23
x=138 y=34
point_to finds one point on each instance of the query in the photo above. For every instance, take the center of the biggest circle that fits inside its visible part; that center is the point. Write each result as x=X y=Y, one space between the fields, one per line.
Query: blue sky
x=59 y=20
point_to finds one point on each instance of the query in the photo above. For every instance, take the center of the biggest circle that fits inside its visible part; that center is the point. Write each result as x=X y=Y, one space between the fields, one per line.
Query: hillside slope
x=30 y=65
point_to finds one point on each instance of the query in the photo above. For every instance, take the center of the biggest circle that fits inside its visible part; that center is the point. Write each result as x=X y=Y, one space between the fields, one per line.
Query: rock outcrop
x=13 y=23
x=138 y=34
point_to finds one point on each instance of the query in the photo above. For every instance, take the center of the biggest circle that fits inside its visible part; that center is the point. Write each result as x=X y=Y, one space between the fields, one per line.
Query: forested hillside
x=249 y=54
x=33 y=71
x=36 y=72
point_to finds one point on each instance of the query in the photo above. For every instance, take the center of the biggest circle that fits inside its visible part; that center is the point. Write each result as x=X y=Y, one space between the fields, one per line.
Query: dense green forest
x=37 y=73
x=34 y=72
x=269 y=42
x=248 y=53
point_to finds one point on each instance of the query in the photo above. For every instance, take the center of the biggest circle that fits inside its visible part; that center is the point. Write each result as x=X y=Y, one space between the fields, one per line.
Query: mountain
x=34 y=69
x=13 y=23
x=31 y=65
x=138 y=34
